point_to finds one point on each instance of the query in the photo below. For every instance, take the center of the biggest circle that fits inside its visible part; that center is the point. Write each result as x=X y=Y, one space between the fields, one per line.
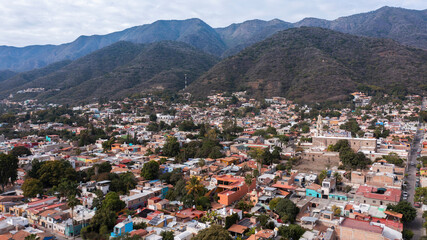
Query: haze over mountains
x=403 y=25
x=383 y=50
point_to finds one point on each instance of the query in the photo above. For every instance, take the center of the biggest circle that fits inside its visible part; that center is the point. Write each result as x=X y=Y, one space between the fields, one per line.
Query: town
x=168 y=166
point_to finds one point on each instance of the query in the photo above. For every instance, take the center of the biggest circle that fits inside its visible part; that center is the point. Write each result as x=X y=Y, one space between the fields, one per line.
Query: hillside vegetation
x=315 y=64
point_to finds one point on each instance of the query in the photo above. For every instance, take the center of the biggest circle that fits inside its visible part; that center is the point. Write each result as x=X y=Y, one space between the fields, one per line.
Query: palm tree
x=248 y=180
x=323 y=174
x=194 y=186
x=337 y=177
x=68 y=188
x=32 y=237
x=72 y=202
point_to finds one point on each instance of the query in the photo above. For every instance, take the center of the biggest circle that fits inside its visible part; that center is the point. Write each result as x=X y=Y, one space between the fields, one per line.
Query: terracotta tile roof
x=139 y=232
x=361 y=225
x=394 y=214
x=314 y=186
x=284 y=186
x=348 y=207
x=390 y=194
x=237 y=228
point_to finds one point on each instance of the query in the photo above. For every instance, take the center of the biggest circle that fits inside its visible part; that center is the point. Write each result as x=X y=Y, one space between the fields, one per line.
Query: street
x=415 y=226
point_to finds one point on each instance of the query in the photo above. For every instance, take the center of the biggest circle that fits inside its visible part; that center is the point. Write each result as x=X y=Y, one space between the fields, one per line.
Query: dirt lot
x=315 y=165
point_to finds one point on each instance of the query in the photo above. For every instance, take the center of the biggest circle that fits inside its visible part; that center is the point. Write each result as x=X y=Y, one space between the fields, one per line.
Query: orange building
x=231 y=188
x=229 y=160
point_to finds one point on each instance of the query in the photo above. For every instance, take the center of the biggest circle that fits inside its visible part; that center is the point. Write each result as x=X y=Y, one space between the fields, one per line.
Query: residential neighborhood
x=171 y=167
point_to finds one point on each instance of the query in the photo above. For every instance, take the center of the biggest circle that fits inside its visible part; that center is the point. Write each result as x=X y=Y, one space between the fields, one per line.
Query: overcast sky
x=28 y=22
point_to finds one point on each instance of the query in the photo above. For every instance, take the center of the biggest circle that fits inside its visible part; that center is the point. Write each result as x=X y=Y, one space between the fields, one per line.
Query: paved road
x=417 y=225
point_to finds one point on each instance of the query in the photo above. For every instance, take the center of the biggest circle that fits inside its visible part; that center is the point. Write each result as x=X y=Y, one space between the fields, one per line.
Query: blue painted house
x=338 y=196
x=122 y=228
x=314 y=190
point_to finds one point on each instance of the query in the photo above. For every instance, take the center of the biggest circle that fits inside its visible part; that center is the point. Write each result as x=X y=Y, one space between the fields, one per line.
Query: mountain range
x=402 y=25
x=383 y=51
x=311 y=64
x=114 y=71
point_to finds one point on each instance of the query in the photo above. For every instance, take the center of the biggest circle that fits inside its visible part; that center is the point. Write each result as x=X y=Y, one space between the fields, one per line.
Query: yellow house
x=423 y=171
x=7 y=203
x=229 y=160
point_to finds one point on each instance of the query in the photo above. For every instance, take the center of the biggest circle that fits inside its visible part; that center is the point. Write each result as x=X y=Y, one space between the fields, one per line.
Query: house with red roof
x=231 y=188
x=377 y=196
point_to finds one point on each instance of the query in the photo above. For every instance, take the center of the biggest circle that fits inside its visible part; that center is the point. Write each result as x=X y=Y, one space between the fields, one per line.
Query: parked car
x=417 y=204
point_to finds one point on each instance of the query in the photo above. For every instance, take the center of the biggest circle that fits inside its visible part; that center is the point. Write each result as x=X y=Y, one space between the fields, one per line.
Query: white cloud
x=27 y=22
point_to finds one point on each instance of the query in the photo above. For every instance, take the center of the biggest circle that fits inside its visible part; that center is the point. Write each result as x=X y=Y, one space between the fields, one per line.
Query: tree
x=248 y=180
x=292 y=231
x=68 y=188
x=35 y=166
x=203 y=203
x=32 y=187
x=407 y=234
x=171 y=147
x=112 y=202
x=338 y=177
x=257 y=154
x=230 y=220
x=351 y=126
x=167 y=235
x=214 y=232
x=323 y=174
x=405 y=208
x=8 y=169
x=287 y=210
x=202 y=162
x=194 y=187
x=20 y=151
x=393 y=158
x=336 y=210
x=187 y=126
x=123 y=183
x=52 y=173
x=150 y=170
x=72 y=202
x=421 y=195
x=348 y=157
x=153 y=117
x=276 y=153
x=273 y=203
x=243 y=205
x=263 y=220
x=32 y=237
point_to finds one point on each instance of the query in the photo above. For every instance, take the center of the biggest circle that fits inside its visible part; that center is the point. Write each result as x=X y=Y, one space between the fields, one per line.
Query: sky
x=31 y=22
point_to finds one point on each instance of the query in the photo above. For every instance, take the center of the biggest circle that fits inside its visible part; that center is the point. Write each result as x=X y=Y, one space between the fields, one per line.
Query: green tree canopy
x=20 y=151
x=405 y=208
x=171 y=147
x=230 y=220
x=352 y=126
x=32 y=187
x=8 y=169
x=287 y=210
x=292 y=231
x=167 y=235
x=214 y=232
x=123 y=183
x=421 y=195
x=112 y=202
x=394 y=159
x=150 y=170
x=51 y=173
